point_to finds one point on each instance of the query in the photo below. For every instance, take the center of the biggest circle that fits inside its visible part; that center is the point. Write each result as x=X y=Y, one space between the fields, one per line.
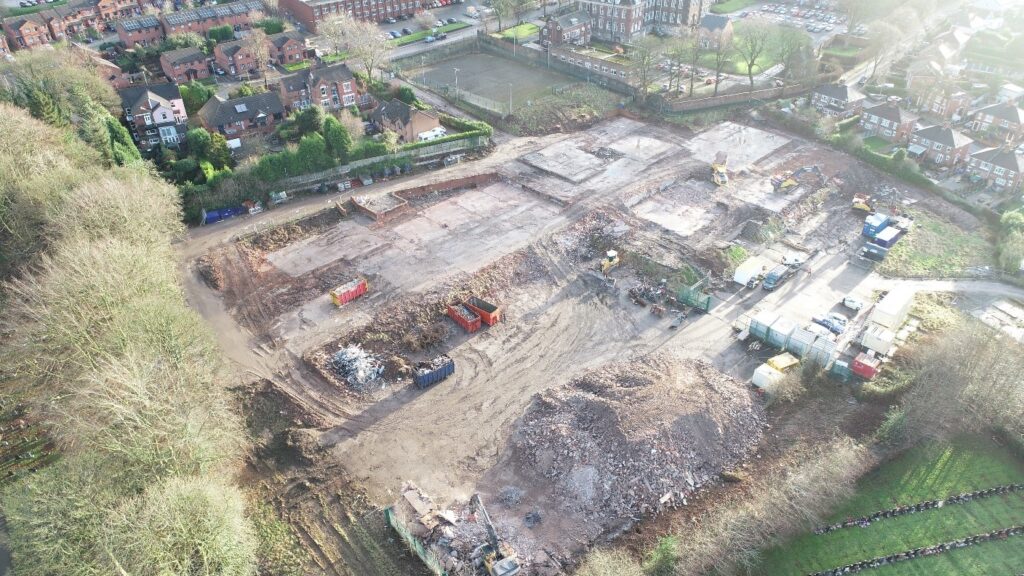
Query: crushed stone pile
x=359 y=368
x=634 y=437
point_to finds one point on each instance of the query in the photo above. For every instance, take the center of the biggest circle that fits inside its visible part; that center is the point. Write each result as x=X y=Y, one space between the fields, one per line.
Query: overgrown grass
x=877 y=144
x=337 y=57
x=937 y=248
x=520 y=32
x=843 y=51
x=934 y=471
x=936 y=311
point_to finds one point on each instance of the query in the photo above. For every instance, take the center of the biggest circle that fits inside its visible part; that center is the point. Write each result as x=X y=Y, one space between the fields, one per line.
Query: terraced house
x=27 y=32
x=184 y=65
x=838 y=100
x=940 y=145
x=73 y=19
x=143 y=30
x=309 y=12
x=888 y=121
x=239 y=15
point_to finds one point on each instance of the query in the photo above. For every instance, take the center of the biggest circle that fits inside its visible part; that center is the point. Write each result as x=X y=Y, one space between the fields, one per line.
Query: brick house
x=940 y=145
x=155 y=115
x=888 y=121
x=239 y=15
x=257 y=114
x=947 y=104
x=142 y=30
x=26 y=32
x=614 y=22
x=286 y=47
x=676 y=13
x=78 y=16
x=715 y=31
x=309 y=12
x=332 y=87
x=837 y=100
x=1004 y=120
x=185 y=64
x=571 y=28
x=104 y=69
x=405 y=120
x=234 y=58
x=1000 y=167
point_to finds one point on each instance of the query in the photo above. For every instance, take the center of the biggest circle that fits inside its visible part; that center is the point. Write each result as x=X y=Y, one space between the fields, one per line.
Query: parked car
x=853 y=303
x=452 y=20
x=391 y=20
x=831 y=322
x=395 y=34
x=439 y=23
x=430 y=39
x=406 y=31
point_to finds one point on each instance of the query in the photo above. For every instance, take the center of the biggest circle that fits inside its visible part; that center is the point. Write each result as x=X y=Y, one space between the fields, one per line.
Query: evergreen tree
x=199 y=142
x=44 y=107
x=339 y=143
x=310 y=120
x=124 y=150
x=218 y=153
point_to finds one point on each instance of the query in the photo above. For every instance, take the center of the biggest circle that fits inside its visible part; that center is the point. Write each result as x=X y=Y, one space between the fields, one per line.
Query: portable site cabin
x=892 y=310
x=750 y=270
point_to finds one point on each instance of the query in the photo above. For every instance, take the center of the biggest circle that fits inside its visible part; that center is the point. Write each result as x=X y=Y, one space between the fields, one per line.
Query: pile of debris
x=360 y=369
x=632 y=438
x=589 y=236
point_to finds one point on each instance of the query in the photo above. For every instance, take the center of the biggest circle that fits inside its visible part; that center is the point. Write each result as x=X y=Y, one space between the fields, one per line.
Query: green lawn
x=843 y=51
x=33 y=9
x=934 y=472
x=296 y=66
x=937 y=248
x=737 y=65
x=877 y=144
x=338 y=57
x=731 y=6
x=524 y=30
x=417 y=36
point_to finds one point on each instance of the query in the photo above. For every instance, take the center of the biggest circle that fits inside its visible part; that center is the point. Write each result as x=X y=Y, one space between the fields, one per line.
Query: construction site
x=531 y=353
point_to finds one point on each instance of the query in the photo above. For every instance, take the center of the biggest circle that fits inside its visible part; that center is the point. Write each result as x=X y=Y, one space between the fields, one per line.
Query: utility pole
x=509 y=98
x=456 y=82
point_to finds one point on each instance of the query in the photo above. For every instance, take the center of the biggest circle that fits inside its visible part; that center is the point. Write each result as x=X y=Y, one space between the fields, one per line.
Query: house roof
x=282 y=38
x=213 y=12
x=94 y=57
x=566 y=20
x=73 y=7
x=16 y=22
x=184 y=55
x=944 y=135
x=839 y=92
x=396 y=110
x=231 y=48
x=217 y=112
x=312 y=76
x=1004 y=111
x=891 y=112
x=139 y=23
x=714 y=22
x=1003 y=157
x=143 y=98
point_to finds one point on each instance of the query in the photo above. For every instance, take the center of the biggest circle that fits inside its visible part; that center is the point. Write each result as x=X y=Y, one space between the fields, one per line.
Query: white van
x=434 y=134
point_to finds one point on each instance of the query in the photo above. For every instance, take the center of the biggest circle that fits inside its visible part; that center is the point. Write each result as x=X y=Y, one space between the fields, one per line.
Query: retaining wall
x=401 y=198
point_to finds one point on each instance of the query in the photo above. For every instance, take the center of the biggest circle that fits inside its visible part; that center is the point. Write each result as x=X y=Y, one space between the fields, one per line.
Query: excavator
x=719 y=168
x=610 y=260
x=497 y=560
x=783 y=182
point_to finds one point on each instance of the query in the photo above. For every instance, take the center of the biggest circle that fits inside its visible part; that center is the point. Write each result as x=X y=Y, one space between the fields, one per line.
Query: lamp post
x=509 y=98
x=456 y=82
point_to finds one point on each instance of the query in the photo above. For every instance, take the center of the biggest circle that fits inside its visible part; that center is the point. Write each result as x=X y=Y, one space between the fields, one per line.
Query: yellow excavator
x=863 y=202
x=610 y=260
x=719 y=168
x=498 y=559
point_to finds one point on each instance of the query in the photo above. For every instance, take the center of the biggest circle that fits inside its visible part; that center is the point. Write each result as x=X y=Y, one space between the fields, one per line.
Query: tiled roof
x=891 y=112
x=839 y=92
x=1004 y=111
x=714 y=22
x=282 y=38
x=1001 y=157
x=944 y=135
x=184 y=55
x=217 y=112
x=140 y=98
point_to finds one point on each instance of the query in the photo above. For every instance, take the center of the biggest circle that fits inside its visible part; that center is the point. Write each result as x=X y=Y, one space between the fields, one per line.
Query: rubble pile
x=582 y=240
x=357 y=367
x=634 y=437
x=434 y=363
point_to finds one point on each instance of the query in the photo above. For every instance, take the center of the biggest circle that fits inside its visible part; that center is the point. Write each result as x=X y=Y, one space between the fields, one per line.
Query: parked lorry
x=349 y=291
x=874 y=224
x=429 y=373
x=464 y=316
x=489 y=313
x=776 y=277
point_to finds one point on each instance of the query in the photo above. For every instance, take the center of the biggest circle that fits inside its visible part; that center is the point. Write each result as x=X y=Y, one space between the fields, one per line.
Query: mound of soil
x=632 y=437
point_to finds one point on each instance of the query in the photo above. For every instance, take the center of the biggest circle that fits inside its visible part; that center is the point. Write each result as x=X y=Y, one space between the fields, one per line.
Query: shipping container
x=887 y=238
x=800 y=342
x=892 y=310
x=865 y=365
x=761 y=322
x=430 y=373
x=489 y=313
x=765 y=376
x=463 y=316
x=783 y=361
x=877 y=338
x=778 y=334
x=349 y=291
x=874 y=224
x=822 y=353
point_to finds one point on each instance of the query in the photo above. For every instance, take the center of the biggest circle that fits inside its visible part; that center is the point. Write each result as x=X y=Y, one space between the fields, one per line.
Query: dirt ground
x=529 y=242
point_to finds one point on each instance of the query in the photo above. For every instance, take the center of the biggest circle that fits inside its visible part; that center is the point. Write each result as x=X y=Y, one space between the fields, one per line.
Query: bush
x=247 y=90
x=405 y=94
x=271 y=25
x=195 y=94
x=220 y=34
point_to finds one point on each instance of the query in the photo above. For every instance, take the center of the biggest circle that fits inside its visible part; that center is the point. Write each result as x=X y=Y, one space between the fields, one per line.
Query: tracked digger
x=497 y=559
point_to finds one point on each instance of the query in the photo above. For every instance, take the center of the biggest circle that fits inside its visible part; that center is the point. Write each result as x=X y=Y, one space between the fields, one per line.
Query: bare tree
x=645 y=55
x=881 y=39
x=789 y=45
x=503 y=9
x=696 y=49
x=257 y=45
x=521 y=7
x=752 y=41
x=333 y=33
x=722 y=51
x=426 y=19
x=859 y=11
x=362 y=40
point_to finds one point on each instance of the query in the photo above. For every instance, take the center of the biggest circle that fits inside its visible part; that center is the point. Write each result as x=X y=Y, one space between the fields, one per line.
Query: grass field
x=877 y=144
x=937 y=248
x=731 y=6
x=937 y=471
x=422 y=34
x=736 y=65
x=842 y=51
x=493 y=77
x=520 y=32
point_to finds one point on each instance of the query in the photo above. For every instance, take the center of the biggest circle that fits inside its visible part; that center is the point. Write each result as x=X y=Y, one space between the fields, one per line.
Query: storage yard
x=554 y=327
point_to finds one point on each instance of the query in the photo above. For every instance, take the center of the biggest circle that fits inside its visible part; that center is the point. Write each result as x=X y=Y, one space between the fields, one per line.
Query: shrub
x=271 y=25
x=194 y=95
x=339 y=143
x=220 y=34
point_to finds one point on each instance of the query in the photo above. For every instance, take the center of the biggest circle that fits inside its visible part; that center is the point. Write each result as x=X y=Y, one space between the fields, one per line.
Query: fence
x=449 y=92
x=437 y=53
x=748 y=97
x=428 y=558
x=303 y=180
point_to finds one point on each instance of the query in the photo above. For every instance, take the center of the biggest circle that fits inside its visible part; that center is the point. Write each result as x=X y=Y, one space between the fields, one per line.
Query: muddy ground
x=529 y=242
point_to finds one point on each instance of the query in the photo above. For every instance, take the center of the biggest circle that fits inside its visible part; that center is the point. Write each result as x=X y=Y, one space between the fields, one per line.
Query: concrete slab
x=348 y=240
x=683 y=209
x=745 y=145
x=759 y=192
x=566 y=160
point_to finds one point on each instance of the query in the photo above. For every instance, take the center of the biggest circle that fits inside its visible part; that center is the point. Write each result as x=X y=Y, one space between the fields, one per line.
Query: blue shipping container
x=430 y=373
x=874 y=224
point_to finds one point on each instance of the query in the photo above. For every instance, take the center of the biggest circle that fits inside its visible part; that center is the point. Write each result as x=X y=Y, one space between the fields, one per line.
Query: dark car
x=391 y=20
x=395 y=34
x=452 y=20
x=406 y=31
